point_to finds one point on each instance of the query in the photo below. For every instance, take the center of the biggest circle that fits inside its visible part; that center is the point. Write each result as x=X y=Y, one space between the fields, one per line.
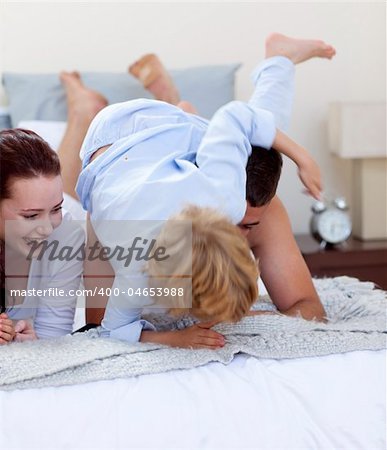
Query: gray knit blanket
x=356 y=314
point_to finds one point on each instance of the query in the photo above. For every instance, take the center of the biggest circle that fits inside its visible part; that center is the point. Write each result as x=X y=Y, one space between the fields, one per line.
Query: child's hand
x=24 y=331
x=310 y=175
x=7 y=329
x=194 y=337
x=197 y=336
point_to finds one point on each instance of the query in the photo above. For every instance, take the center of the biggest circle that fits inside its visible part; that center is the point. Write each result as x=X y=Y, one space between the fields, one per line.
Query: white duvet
x=331 y=402
x=335 y=402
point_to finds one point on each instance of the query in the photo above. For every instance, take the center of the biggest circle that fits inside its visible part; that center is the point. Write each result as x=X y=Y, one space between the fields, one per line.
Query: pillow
x=51 y=131
x=5 y=119
x=42 y=97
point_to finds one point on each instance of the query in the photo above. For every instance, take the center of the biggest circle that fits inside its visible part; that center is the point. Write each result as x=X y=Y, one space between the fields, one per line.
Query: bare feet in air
x=150 y=71
x=297 y=50
x=187 y=107
x=82 y=102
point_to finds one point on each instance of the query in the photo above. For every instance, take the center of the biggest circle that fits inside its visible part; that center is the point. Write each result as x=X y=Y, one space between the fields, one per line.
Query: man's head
x=263 y=171
x=224 y=273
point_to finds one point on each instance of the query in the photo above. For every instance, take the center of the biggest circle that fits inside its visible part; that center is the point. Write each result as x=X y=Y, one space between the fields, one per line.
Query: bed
x=332 y=401
x=336 y=401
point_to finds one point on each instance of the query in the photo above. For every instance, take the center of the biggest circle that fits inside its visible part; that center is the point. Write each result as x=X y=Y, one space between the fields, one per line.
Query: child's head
x=224 y=273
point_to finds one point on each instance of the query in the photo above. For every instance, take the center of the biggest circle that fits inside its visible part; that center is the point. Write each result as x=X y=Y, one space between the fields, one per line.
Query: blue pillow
x=42 y=97
x=5 y=119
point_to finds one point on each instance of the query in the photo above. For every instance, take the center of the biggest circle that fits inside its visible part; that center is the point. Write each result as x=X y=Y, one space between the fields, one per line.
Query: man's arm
x=283 y=269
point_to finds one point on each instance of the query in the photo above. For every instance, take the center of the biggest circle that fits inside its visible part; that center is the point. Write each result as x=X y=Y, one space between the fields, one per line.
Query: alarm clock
x=331 y=223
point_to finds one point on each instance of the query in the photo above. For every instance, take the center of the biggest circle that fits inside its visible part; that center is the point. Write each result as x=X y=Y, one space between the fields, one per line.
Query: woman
x=38 y=289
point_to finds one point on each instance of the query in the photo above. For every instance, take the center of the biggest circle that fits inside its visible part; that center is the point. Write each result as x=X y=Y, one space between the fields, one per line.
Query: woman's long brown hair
x=23 y=155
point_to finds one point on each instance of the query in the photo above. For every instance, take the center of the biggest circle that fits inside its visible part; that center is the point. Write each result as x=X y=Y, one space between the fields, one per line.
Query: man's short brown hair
x=263 y=173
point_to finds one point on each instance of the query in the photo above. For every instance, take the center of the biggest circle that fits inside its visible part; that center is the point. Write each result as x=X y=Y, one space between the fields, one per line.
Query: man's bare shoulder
x=274 y=223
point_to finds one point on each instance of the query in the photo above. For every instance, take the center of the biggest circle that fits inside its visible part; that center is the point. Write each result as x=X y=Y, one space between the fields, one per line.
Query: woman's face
x=31 y=213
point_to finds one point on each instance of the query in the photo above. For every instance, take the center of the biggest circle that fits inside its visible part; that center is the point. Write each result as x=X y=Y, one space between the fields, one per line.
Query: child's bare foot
x=82 y=102
x=297 y=50
x=155 y=78
x=187 y=107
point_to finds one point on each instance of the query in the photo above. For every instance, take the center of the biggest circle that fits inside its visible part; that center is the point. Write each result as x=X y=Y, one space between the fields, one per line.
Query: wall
x=50 y=36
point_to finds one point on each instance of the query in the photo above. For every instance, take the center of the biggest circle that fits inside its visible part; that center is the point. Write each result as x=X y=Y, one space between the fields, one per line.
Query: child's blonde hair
x=224 y=272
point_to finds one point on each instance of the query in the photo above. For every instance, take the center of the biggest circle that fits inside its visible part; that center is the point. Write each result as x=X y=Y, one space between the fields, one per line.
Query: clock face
x=334 y=226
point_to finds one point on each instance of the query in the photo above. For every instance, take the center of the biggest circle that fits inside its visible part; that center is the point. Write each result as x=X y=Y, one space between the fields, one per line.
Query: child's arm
x=308 y=170
x=194 y=337
x=224 y=151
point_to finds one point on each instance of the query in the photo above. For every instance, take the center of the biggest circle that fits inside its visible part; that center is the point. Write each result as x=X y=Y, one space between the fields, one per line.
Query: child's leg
x=150 y=71
x=274 y=77
x=187 y=107
x=274 y=89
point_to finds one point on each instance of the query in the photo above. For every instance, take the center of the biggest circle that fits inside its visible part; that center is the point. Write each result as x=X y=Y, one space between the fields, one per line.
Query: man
x=266 y=225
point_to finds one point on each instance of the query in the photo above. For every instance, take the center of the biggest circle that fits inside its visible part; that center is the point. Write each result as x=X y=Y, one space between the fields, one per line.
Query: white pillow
x=51 y=131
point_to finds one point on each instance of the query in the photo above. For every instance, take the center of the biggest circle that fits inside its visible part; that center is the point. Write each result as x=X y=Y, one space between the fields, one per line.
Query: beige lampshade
x=357 y=130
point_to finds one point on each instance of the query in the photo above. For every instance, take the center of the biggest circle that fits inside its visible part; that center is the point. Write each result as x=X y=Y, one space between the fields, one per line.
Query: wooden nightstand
x=366 y=260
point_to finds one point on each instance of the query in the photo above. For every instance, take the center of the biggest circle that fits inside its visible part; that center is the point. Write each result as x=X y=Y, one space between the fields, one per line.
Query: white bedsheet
x=331 y=402
x=50 y=130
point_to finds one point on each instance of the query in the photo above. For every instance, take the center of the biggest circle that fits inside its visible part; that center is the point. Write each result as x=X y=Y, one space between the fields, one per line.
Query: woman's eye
x=33 y=216
x=56 y=210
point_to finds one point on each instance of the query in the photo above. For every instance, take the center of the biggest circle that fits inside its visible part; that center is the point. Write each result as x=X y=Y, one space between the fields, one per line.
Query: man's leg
x=82 y=104
x=274 y=77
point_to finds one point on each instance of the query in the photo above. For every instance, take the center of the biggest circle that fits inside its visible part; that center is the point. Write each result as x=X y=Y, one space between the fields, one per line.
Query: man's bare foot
x=82 y=103
x=154 y=77
x=297 y=50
